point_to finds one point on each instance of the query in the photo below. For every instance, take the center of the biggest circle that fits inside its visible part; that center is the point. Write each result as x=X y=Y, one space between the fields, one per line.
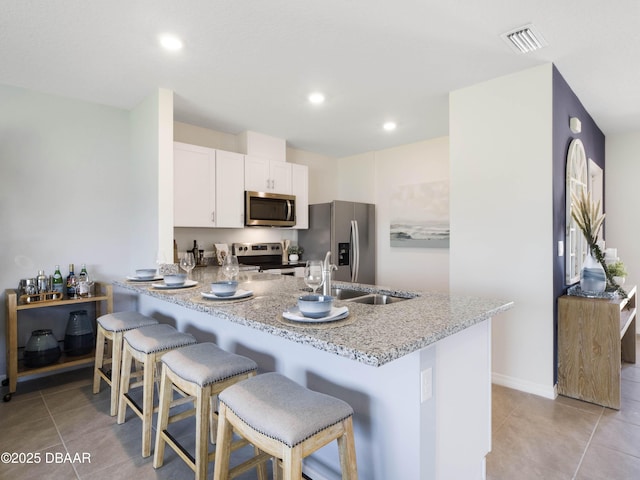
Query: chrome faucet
x=327 y=269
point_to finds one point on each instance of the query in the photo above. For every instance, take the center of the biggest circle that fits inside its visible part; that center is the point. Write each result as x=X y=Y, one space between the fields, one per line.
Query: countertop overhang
x=372 y=334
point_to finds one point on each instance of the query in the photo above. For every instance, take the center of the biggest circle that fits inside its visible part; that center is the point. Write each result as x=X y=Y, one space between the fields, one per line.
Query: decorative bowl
x=225 y=288
x=175 y=280
x=315 y=306
x=146 y=273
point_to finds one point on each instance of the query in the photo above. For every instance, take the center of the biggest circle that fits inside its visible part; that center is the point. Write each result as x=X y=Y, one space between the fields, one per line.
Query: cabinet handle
x=267 y=184
x=213 y=216
x=273 y=184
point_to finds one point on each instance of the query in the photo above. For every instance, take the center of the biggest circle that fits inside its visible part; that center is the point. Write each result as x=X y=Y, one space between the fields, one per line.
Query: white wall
x=501 y=217
x=65 y=194
x=622 y=221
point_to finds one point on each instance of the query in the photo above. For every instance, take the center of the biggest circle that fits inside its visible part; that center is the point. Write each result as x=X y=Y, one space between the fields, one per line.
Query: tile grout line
x=46 y=405
x=584 y=453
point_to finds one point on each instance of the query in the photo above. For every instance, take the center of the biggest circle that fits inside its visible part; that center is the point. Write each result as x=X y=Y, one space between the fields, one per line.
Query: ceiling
x=250 y=64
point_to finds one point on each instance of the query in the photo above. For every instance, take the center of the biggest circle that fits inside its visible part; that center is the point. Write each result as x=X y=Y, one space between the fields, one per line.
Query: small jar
x=41 y=349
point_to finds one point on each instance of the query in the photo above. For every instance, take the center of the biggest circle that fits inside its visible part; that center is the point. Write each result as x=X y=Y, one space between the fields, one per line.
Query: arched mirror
x=577 y=182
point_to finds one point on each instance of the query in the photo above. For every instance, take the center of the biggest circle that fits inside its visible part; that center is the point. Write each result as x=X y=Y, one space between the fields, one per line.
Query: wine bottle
x=71 y=286
x=83 y=281
x=58 y=282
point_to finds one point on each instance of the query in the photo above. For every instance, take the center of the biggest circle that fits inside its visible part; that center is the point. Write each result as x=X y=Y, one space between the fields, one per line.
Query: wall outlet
x=426 y=384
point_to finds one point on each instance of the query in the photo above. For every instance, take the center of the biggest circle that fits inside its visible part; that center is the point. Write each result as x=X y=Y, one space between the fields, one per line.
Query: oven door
x=269 y=209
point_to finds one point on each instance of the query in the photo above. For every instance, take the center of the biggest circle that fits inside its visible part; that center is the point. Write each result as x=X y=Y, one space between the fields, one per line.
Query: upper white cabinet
x=264 y=175
x=300 y=188
x=208 y=187
x=229 y=189
x=194 y=180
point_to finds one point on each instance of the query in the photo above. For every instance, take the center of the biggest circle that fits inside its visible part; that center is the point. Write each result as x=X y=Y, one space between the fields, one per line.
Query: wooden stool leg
x=213 y=418
x=116 y=359
x=166 y=392
x=124 y=384
x=292 y=463
x=347 y=449
x=202 y=432
x=99 y=360
x=223 y=445
x=148 y=381
x=262 y=467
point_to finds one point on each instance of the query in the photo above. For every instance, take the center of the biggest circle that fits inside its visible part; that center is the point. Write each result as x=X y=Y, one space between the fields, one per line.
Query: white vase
x=293 y=257
x=592 y=276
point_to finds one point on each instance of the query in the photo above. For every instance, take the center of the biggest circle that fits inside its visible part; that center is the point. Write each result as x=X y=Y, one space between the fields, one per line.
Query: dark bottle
x=71 y=284
x=195 y=251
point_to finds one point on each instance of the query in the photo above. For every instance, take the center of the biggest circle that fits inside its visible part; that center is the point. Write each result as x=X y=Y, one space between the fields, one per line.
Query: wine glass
x=313 y=275
x=230 y=266
x=187 y=262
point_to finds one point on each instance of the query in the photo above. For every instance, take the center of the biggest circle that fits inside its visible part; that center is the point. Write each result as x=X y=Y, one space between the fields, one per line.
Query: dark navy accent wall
x=566 y=105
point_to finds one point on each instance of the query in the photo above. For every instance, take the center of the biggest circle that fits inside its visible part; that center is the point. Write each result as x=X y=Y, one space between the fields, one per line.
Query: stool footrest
x=253 y=462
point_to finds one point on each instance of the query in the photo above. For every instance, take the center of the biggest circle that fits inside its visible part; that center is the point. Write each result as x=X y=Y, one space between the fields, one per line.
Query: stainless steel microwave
x=265 y=209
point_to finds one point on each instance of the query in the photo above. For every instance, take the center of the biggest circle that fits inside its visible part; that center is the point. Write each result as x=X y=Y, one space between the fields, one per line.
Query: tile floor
x=565 y=439
x=533 y=437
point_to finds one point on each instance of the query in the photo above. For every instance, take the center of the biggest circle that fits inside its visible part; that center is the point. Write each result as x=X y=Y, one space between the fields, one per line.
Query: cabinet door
x=256 y=174
x=300 y=188
x=193 y=186
x=280 y=174
x=229 y=189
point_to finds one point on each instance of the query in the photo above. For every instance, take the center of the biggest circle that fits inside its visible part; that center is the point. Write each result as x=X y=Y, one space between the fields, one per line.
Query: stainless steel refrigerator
x=348 y=229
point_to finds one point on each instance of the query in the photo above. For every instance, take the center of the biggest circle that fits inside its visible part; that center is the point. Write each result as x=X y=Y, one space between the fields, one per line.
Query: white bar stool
x=285 y=420
x=146 y=345
x=202 y=371
x=111 y=329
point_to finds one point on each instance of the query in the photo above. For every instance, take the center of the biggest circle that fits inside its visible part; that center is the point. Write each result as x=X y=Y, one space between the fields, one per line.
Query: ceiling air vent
x=525 y=39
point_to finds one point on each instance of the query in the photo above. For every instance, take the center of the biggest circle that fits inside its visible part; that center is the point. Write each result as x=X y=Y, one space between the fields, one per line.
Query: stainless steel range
x=265 y=256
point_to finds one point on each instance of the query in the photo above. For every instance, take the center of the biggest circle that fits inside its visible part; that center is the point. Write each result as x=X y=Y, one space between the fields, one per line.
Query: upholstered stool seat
x=202 y=371
x=111 y=329
x=146 y=345
x=285 y=420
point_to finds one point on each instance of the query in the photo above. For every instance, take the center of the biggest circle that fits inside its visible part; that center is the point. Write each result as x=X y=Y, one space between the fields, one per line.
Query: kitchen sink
x=377 y=299
x=345 y=294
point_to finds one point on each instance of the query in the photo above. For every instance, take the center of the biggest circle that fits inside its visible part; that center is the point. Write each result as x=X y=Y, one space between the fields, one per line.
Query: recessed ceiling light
x=389 y=126
x=170 y=42
x=316 y=98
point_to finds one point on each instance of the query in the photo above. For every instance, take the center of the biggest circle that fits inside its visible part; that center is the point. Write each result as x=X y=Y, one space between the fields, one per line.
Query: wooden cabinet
x=208 y=187
x=263 y=175
x=594 y=337
x=300 y=188
x=103 y=300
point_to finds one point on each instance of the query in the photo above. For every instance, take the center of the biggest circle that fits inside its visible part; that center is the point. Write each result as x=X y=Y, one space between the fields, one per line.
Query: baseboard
x=545 y=391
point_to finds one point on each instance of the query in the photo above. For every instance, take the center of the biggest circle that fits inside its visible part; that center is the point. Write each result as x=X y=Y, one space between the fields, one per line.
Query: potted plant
x=618 y=272
x=589 y=220
x=294 y=252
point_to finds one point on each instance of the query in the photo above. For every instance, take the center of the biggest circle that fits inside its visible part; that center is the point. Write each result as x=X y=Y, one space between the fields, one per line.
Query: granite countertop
x=371 y=334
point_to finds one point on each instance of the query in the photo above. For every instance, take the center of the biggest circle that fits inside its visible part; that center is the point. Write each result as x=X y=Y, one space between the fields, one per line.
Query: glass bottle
x=83 y=281
x=71 y=284
x=58 y=282
x=43 y=282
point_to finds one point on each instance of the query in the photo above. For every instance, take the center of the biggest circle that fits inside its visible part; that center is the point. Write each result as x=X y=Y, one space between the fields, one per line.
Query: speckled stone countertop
x=371 y=334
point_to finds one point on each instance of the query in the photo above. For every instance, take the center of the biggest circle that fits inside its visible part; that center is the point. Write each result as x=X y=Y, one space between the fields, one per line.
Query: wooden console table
x=104 y=295
x=594 y=337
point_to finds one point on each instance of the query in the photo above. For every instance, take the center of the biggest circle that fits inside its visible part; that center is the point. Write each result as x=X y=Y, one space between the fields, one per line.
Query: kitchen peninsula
x=417 y=372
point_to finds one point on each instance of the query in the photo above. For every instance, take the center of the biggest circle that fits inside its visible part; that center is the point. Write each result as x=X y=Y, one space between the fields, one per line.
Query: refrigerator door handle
x=355 y=249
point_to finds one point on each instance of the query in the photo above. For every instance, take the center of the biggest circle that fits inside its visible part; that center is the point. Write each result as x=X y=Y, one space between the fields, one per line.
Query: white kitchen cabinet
x=194 y=181
x=264 y=175
x=229 y=189
x=208 y=187
x=300 y=188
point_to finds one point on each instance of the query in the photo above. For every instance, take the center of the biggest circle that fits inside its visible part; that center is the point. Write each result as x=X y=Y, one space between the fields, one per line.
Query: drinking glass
x=230 y=266
x=187 y=263
x=313 y=275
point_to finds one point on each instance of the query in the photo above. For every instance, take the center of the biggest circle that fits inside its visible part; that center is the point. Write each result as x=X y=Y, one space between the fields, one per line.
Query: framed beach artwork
x=419 y=215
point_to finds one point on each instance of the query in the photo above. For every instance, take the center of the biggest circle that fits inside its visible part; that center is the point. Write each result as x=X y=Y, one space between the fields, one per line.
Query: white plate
x=337 y=313
x=164 y=286
x=239 y=294
x=133 y=278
